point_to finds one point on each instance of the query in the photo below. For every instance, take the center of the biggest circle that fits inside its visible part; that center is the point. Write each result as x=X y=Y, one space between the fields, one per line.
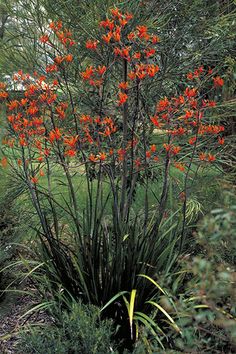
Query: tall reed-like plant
x=98 y=183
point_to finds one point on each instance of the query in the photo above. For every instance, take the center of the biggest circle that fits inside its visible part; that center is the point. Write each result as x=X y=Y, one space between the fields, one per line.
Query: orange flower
x=192 y=140
x=123 y=22
x=102 y=156
x=155 y=39
x=125 y=53
x=131 y=75
x=202 y=156
x=122 y=98
x=58 y=60
x=44 y=38
x=93 y=158
x=86 y=75
x=121 y=154
x=4 y=162
x=51 y=68
x=142 y=31
x=124 y=85
x=218 y=81
x=71 y=141
x=154 y=120
x=131 y=36
x=211 y=158
x=2 y=85
x=116 y=13
x=13 y=105
x=54 y=135
x=41 y=173
x=107 y=38
x=190 y=92
x=117 y=34
x=23 y=101
x=211 y=103
x=128 y=16
x=101 y=70
x=148 y=154
x=107 y=24
x=69 y=58
x=60 y=112
x=163 y=104
x=137 y=55
x=188 y=114
x=153 y=148
x=179 y=166
x=91 y=44
x=167 y=147
x=221 y=141
x=3 y=95
x=34 y=180
x=152 y=70
x=175 y=150
x=70 y=153
x=22 y=141
x=150 y=52
x=190 y=76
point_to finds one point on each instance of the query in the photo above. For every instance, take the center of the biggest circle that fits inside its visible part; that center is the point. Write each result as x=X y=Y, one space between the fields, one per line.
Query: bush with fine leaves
x=79 y=331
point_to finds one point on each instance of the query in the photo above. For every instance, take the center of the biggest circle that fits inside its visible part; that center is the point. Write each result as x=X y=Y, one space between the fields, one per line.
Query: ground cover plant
x=110 y=172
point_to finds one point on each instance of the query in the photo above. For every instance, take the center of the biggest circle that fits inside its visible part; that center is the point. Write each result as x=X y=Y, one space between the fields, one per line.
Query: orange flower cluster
x=64 y=36
x=3 y=93
x=94 y=76
x=47 y=126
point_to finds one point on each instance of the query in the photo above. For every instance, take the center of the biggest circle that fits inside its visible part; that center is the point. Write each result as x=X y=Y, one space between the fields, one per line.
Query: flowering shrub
x=106 y=134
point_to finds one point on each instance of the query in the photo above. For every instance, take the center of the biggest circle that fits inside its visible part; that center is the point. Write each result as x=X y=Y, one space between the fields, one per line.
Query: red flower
x=175 y=150
x=70 y=153
x=142 y=31
x=180 y=166
x=107 y=38
x=155 y=39
x=4 y=162
x=150 y=52
x=218 y=81
x=153 y=148
x=192 y=140
x=123 y=85
x=54 y=135
x=102 y=156
x=3 y=95
x=122 y=98
x=69 y=58
x=131 y=75
x=71 y=141
x=34 y=180
x=93 y=158
x=190 y=92
x=91 y=44
x=221 y=140
x=202 y=156
x=44 y=38
x=154 y=120
x=163 y=104
x=86 y=75
x=211 y=158
x=101 y=70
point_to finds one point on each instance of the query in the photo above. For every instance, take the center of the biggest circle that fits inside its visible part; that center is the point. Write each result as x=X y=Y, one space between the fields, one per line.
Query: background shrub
x=78 y=331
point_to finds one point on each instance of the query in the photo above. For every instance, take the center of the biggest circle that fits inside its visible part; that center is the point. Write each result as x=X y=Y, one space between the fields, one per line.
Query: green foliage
x=79 y=330
x=205 y=284
x=8 y=235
